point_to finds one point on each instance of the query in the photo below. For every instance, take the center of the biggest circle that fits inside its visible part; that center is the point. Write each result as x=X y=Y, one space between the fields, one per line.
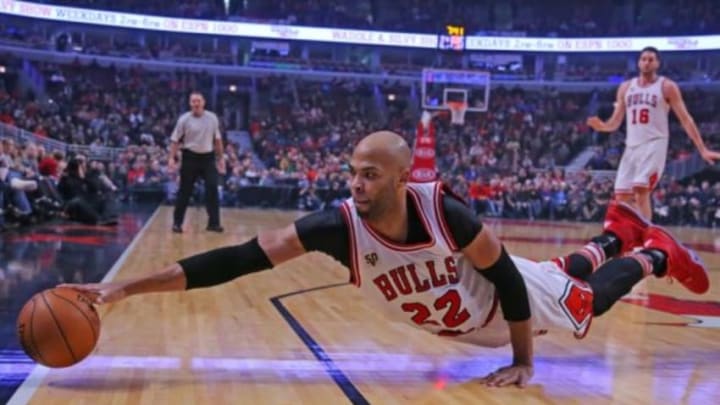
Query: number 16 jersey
x=646 y=112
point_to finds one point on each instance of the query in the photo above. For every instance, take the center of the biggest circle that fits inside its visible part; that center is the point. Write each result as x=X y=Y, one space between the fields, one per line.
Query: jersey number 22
x=454 y=316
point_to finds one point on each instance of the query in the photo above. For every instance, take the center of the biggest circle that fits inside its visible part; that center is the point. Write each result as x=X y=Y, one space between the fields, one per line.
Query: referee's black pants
x=196 y=165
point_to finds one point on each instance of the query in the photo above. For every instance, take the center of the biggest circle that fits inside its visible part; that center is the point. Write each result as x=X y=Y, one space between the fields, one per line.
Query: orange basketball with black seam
x=58 y=327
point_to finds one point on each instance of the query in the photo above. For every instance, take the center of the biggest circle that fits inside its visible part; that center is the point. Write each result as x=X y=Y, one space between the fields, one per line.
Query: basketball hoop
x=457 y=112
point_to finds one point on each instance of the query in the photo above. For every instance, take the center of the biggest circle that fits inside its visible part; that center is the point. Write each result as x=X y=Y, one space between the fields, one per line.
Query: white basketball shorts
x=557 y=302
x=641 y=166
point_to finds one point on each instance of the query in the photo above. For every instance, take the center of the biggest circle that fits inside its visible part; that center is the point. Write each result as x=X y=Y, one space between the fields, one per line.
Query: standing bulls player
x=646 y=102
x=424 y=258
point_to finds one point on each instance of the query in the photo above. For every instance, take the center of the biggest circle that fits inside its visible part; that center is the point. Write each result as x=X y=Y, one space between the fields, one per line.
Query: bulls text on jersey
x=636 y=99
x=404 y=280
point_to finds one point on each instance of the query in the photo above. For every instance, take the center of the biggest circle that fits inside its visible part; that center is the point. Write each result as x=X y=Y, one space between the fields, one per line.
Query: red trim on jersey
x=444 y=228
x=492 y=312
x=354 y=268
x=405 y=247
x=653 y=181
x=585 y=286
x=584 y=333
x=447 y=190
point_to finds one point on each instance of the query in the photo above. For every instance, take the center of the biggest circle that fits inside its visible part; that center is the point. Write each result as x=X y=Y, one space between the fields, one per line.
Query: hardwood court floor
x=249 y=342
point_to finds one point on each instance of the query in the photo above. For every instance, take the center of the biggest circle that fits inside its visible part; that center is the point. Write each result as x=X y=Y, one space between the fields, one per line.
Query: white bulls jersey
x=646 y=112
x=428 y=285
x=432 y=286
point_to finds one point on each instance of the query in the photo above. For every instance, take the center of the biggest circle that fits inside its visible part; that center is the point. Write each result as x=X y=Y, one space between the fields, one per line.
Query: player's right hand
x=172 y=166
x=710 y=156
x=518 y=374
x=595 y=123
x=100 y=293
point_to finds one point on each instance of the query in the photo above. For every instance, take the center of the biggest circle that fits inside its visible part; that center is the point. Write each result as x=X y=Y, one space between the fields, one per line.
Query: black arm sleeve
x=224 y=264
x=463 y=223
x=323 y=231
x=510 y=287
x=327 y=232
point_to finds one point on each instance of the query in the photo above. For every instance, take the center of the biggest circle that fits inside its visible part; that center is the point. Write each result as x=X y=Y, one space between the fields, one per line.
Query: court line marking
x=341 y=380
x=33 y=381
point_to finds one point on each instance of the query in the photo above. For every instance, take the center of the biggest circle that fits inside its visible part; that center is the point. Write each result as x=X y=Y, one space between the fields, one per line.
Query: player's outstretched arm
x=206 y=269
x=618 y=114
x=675 y=99
x=489 y=256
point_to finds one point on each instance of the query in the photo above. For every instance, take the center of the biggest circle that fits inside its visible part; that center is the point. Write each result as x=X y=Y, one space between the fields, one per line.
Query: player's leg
x=617 y=277
x=582 y=262
x=630 y=164
x=625 y=197
x=624 y=178
x=188 y=175
x=642 y=201
x=212 y=198
x=623 y=230
x=662 y=256
x=558 y=301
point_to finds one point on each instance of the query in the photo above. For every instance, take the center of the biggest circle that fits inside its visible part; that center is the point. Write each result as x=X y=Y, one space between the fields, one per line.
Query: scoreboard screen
x=453 y=38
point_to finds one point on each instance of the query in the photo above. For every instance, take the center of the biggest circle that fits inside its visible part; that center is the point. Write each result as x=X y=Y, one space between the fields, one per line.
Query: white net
x=457 y=113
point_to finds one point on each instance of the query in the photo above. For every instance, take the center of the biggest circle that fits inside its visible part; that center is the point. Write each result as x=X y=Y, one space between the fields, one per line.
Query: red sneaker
x=626 y=224
x=683 y=264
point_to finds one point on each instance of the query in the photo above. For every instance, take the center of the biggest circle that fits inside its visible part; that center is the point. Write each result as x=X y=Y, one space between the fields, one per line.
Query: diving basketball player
x=424 y=258
x=645 y=101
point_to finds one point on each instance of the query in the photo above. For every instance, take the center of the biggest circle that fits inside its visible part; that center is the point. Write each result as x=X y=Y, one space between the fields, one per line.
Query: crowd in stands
x=37 y=186
x=548 y=18
x=530 y=134
x=505 y=162
x=102 y=107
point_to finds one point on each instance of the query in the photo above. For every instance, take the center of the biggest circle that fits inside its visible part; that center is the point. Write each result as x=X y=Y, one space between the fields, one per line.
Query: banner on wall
x=424 y=168
x=351 y=36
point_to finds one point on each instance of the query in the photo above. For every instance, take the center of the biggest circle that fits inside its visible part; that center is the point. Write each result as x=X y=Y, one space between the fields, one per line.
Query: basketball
x=58 y=327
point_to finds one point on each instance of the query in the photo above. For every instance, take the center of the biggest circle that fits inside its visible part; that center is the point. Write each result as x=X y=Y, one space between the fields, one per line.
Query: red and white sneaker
x=683 y=264
x=626 y=224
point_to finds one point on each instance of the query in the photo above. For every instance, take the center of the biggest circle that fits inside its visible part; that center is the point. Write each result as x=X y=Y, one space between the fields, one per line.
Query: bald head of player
x=380 y=167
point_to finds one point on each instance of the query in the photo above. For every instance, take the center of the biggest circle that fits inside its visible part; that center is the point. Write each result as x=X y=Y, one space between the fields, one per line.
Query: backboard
x=442 y=85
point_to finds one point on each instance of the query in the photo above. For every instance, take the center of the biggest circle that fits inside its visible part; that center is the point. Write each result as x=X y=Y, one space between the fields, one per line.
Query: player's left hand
x=516 y=374
x=710 y=156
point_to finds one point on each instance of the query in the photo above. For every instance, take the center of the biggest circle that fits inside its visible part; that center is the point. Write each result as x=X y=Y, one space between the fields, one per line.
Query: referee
x=202 y=156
